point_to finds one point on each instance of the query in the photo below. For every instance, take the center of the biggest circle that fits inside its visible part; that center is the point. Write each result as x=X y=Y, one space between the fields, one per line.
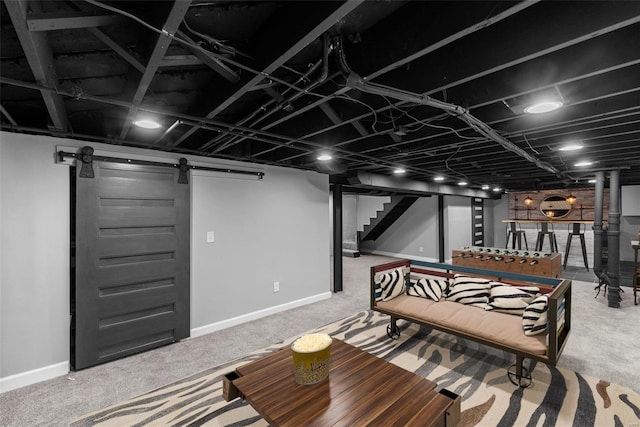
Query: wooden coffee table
x=362 y=389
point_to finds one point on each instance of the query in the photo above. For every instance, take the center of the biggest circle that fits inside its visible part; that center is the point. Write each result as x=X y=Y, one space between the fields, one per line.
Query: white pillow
x=392 y=284
x=534 y=318
x=511 y=299
x=428 y=288
x=469 y=291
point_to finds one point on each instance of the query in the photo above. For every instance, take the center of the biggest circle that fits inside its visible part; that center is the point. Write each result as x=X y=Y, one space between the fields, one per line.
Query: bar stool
x=513 y=232
x=543 y=230
x=577 y=231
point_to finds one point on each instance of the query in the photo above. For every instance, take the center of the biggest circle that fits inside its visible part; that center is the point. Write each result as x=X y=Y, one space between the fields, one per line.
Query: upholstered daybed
x=545 y=313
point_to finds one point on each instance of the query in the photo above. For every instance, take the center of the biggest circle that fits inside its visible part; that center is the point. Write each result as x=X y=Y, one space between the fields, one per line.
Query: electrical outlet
x=276 y=286
x=421 y=249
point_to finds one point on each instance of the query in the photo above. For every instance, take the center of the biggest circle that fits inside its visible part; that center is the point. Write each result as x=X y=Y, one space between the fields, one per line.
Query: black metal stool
x=543 y=230
x=578 y=230
x=513 y=232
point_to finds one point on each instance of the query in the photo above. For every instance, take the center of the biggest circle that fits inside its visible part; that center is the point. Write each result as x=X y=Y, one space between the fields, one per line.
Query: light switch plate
x=210 y=237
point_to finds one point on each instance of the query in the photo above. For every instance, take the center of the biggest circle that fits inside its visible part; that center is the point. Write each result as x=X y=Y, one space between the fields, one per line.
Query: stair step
x=350 y=253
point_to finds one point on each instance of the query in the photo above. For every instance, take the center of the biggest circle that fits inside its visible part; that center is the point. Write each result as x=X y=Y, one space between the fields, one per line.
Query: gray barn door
x=132 y=262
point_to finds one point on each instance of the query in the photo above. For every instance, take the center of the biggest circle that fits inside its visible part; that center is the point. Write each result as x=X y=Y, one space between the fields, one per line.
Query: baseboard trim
x=227 y=323
x=23 y=379
x=34 y=376
x=391 y=254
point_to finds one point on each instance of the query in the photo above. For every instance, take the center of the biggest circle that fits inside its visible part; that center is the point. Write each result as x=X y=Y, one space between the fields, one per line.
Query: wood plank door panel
x=132 y=261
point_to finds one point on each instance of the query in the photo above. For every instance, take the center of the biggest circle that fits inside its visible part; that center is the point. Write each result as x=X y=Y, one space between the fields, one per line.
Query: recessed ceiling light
x=592 y=181
x=147 y=124
x=543 y=107
x=571 y=146
x=439 y=178
x=399 y=171
x=496 y=189
x=583 y=163
x=462 y=183
x=324 y=157
x=485 y=187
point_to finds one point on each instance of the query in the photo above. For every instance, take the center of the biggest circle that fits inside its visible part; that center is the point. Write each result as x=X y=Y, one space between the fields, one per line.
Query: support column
x=613 y=233
x=441 y=255
x=337 y=237
x=597 y=225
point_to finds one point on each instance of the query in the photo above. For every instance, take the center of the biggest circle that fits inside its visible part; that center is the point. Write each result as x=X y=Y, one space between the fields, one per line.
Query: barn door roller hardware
x=85 y=158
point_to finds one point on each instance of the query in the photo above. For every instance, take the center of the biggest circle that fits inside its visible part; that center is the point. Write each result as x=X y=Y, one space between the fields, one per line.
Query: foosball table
x=511 y=260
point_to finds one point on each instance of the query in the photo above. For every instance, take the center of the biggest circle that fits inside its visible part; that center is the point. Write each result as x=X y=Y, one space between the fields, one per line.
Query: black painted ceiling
x=265 y=82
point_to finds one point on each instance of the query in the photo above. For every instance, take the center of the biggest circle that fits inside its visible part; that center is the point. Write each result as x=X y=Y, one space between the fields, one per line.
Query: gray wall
x=457 y=224
x=265 y=231
x=500 y=208
x=368 y=207
x=416 y=228
x=349 y=217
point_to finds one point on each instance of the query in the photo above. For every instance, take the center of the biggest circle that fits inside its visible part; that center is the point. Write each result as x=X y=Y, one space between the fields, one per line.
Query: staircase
x=383 y=220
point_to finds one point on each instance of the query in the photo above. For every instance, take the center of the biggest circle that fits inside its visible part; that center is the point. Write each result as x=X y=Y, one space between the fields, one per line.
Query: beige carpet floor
x=603 y=344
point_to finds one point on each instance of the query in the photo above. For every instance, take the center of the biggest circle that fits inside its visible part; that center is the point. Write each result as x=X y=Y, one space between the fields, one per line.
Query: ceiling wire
x=527 y=141
x=200 y=48
x=375 y=114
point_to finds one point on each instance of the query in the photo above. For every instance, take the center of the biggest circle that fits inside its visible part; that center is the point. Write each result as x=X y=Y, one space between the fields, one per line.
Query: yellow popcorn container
x=311 y=357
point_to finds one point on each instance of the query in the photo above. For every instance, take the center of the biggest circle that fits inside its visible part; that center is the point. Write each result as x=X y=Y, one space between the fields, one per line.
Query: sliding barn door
x=131 y=288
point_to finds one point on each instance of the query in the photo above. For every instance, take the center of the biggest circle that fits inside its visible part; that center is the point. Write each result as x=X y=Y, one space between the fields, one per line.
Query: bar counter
x=561 y=228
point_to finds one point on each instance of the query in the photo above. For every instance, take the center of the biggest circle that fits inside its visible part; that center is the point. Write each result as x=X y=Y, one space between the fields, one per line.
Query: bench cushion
x=498 y=328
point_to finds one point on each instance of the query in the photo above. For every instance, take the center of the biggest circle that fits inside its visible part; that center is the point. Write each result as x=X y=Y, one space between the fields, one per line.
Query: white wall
x=271 y=230
x=416 y=228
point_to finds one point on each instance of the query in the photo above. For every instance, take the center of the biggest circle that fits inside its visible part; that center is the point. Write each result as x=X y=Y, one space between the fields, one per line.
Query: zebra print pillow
x=511 y=299
x=392 y=284
x=469 y=291
x=534 y=318
x=428 y=288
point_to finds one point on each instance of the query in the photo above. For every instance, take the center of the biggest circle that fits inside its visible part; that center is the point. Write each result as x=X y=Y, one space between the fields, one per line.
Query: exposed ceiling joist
x=317 y=29
x=40 y=58
x=211 y=61
x=69 y=20
x=178 y=10
x=124 y=54
x=407 y=186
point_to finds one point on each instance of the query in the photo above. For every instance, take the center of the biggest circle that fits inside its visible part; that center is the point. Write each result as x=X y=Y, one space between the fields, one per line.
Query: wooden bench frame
x=559 y=290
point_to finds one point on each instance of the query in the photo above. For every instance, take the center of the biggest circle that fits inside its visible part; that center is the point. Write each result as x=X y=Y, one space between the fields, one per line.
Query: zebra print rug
x=557 y=397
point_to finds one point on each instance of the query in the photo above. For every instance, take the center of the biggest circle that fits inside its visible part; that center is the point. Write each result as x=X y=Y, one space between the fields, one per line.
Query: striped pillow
x=428 y=288
x=534 y=318
x=469 y=291
x=511 y=299
x=392 y=284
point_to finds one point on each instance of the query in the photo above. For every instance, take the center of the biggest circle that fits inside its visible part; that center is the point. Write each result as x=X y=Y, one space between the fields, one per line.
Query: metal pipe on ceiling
x=327 y=47
x=356 y=82
x=209 y=124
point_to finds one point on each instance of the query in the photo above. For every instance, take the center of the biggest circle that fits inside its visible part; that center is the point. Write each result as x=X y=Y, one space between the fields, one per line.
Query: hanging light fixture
x=571 y=199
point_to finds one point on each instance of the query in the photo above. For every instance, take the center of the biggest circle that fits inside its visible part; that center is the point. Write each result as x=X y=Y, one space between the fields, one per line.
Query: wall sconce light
x=528 y=201
x=571 y=199
x=551 y=214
